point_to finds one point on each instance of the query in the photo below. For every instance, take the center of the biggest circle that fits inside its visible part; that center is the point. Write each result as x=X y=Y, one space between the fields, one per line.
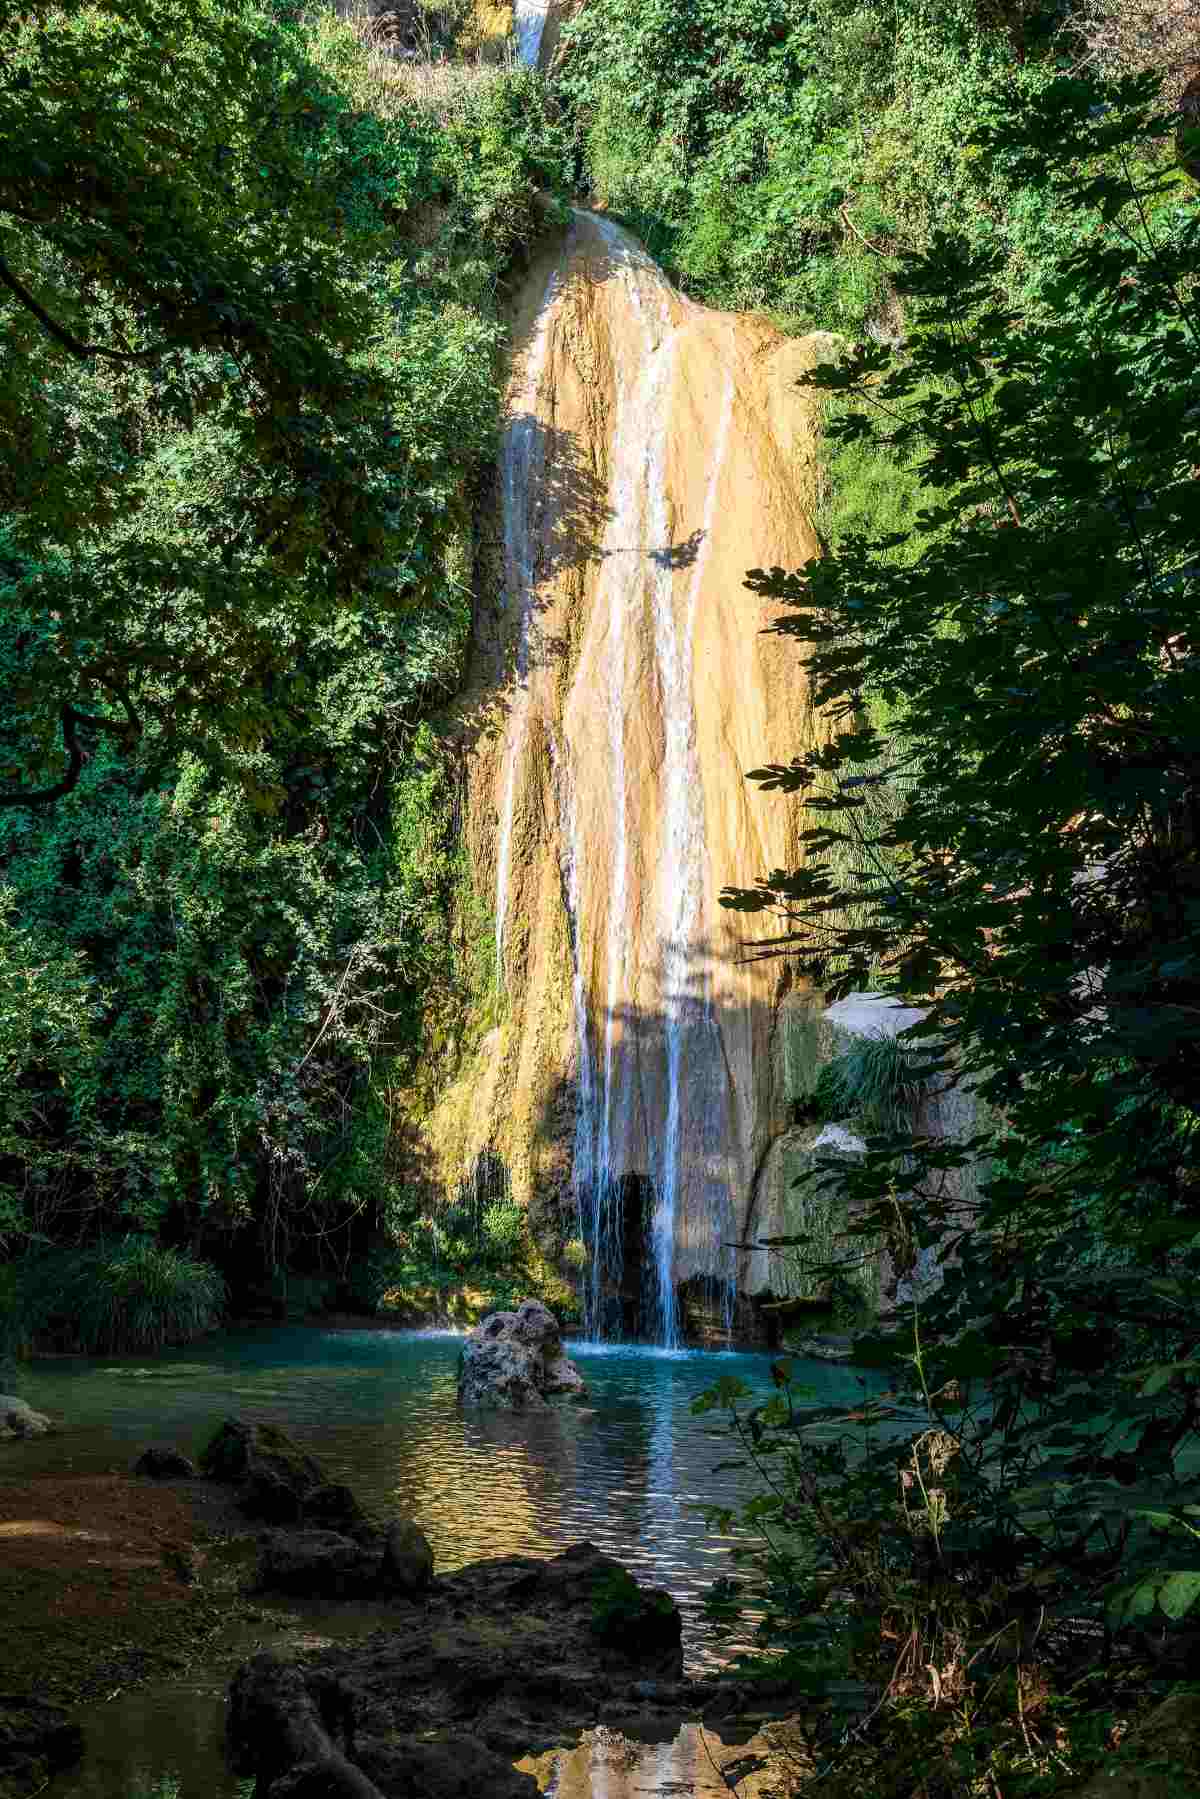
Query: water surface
x=378 y=1407
x=628 y=1472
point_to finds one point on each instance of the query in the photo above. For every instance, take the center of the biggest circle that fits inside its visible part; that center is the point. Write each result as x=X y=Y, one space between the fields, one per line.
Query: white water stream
x=529 y=22
x=688 y=1012
x=643 y=580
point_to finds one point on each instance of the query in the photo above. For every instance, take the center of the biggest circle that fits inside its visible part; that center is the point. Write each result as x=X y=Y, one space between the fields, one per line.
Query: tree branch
x=71 y=719
x=60 y=333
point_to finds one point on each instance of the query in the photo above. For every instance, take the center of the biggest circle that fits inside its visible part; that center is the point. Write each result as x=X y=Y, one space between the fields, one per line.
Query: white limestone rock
x=514 y=1361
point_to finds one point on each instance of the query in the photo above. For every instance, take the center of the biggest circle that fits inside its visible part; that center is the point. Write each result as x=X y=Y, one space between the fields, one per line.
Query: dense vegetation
x=1016 y=1521
x=250 y=372
x=249 y=359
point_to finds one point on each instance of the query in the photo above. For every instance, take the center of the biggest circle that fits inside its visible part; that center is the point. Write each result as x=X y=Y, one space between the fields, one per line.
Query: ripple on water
x=629 y=1472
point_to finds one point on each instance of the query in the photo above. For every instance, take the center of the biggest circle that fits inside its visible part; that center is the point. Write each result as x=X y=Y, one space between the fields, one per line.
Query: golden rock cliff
x=622 y=684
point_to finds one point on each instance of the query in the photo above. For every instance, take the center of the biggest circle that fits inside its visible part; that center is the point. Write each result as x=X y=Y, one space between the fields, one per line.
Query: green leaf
x=1179 y=1593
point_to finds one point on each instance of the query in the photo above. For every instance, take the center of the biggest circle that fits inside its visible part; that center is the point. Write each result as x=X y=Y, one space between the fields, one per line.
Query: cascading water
x=639 y=520
x=639 y=687
x=688 y=1012
x=634 y=491
x=529 y=22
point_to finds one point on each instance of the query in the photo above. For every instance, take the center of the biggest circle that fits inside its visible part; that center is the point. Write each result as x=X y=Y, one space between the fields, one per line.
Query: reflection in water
x=609 y=1764
x=626 y=1472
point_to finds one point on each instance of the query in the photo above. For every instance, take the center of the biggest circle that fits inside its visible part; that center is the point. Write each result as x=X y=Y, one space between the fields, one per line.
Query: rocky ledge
x=515 y=1361
x=501 y=1660
x=327 y=1546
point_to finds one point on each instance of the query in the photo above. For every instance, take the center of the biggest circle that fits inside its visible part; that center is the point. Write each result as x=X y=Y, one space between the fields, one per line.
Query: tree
x=202 y=444
x=1035 y=881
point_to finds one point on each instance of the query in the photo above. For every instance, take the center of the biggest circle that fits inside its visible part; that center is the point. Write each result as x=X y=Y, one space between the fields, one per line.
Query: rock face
x=500 y=1660
x=20 y=1420
x=324 y=1564
x=622 y=685
x=809 y=1036
x=162 y=1461
x=515 y=1361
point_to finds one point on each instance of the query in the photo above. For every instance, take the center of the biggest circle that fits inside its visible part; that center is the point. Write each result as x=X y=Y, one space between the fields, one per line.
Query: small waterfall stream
x=529 y=22
x=688 y=1011
x=642 y=389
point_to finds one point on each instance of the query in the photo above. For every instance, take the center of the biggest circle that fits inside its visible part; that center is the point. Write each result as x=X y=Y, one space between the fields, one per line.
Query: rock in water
x=20 y=1420
x=515 y=1361
x=330 y=1548
x=499 y=1660
x=395 y=1562
x=36 y=1740
x=162 y=1461
x=273 y=1474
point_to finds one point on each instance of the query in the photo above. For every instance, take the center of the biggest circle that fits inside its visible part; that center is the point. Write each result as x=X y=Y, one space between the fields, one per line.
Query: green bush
x=502 y=1229
x=877 y=1082
x=108 y=1299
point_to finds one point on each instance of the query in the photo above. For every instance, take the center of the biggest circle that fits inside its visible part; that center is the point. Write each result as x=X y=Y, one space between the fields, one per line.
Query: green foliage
x=890 y=1570
x=1030 y=1482
x=244 y=555
x=877 y=1082
x=111 y=1298
x=780 y=154
x=619 y=1605
x=503 y=1228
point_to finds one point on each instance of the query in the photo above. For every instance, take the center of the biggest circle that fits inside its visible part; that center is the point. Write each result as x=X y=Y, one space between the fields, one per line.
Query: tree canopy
x=207 y=439
x=1007 y=833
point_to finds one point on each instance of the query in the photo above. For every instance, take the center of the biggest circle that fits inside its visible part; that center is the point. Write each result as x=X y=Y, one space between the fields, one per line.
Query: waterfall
x=638 y=426
x=638 y=520
x=529 y=22
x=688 y=1014
x=522 y=464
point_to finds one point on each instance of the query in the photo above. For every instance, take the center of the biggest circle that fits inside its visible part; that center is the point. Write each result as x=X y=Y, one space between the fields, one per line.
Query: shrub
x=502 y=1229
x=877 y=1082
x=105 y=1299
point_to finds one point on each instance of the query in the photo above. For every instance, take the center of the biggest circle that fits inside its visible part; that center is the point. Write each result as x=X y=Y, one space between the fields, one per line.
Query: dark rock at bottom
x=501 y=1659
x=36 y=1740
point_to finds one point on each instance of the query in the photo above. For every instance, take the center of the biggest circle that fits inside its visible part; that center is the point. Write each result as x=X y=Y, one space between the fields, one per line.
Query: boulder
x=407 y=1564
x=276 y=1479
x=318 y=1564
x=36 y=1740
x=162 y=1461
x=328 y=1547
x=328 y=1564
x=515 y=1361
x=500 y=1660
x=20 y=1420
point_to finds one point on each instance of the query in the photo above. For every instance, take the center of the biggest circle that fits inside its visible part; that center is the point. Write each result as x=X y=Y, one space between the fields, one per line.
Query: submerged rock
x=499 y=1660
x=20 y=1420
x=515 y=1361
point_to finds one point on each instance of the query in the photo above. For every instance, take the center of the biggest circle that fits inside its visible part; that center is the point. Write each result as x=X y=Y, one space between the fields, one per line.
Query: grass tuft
x=109 y=1298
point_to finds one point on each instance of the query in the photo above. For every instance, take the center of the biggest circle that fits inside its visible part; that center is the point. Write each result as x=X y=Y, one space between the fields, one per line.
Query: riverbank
x=107 y=1580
